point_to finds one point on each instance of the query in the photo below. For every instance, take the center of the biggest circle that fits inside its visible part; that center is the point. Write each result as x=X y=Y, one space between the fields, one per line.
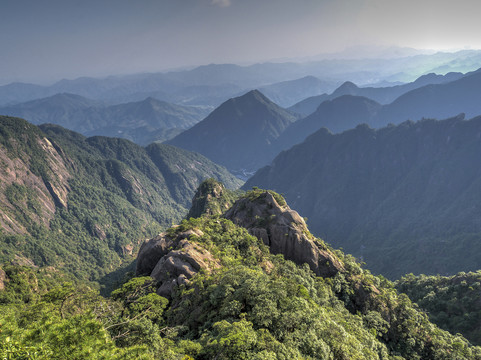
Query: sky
x=42 y=41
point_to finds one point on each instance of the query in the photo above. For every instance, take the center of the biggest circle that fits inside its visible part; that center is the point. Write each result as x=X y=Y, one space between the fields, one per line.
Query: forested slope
x=84 y=204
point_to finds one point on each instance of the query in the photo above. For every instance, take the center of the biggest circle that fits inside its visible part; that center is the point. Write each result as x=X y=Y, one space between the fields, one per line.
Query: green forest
x=253 y=305
x=241 y=276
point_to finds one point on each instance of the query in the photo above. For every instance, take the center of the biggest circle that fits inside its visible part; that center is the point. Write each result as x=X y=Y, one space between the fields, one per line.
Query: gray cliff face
x=284 y=231
x=173 y=261
x=3 y=278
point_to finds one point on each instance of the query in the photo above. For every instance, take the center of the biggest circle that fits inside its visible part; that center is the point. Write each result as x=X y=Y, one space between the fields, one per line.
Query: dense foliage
x=453 y=303
x=84 y=205
x=212 y=198
x=255 y=306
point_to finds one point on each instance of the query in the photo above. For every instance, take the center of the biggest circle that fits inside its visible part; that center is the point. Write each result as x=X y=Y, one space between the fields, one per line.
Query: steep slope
x=84 y=204
x=437 y=101
x=452 y=302
x=382 y=95
x=287 y=93
x=403 y=198
x=233 y=298
x=137 y=121
x=342 y=113
x=238 y=133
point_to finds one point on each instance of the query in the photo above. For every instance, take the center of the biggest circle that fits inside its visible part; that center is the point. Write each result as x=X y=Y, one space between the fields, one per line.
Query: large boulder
x=173 y=260
x=266 y=215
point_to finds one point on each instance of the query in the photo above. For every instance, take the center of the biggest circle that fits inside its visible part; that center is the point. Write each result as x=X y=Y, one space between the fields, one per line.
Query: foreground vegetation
x=452 y=302
x=255 y=305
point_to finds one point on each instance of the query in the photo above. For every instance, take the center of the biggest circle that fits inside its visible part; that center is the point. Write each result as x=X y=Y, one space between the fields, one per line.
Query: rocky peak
x=172 y=260
x=266 y=215
x=211 y=198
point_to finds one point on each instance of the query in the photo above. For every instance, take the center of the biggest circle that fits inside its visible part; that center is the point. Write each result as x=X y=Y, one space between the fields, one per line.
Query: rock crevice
x=172 y=261
x=284 y=231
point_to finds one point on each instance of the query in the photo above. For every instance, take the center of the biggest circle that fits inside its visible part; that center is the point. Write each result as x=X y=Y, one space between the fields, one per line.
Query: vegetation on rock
x=84 y=205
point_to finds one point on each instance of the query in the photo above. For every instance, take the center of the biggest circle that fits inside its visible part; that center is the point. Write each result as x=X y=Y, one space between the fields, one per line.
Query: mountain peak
x=266 y=215
x=239 y=132
x=347 y=88
x=254 y=94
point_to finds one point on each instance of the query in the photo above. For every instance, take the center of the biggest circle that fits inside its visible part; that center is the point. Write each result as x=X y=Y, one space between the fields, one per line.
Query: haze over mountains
x=383 y=95
x=117 y=132
x=404 y=198
x=213 y=84
x=244 y=137
x=247 y=132
x=238 y=133
x=442 y=99
x=142 y=122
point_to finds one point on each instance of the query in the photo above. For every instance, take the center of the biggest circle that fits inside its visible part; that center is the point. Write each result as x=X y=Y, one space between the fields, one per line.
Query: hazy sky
x=46 y=40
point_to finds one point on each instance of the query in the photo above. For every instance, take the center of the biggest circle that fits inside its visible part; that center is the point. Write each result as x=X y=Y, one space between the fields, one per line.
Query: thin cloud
x=221 y=3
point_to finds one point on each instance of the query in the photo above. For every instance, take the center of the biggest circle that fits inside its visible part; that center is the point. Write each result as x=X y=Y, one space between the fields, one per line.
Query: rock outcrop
x=211 y=198
x=3 y=277
x=284 y=231
x=172 y=261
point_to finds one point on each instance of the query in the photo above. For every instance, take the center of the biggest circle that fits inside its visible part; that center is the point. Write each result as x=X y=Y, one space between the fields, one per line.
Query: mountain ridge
x=84 y=204
x=238 y=133
x=400 y=191
x=137 y=121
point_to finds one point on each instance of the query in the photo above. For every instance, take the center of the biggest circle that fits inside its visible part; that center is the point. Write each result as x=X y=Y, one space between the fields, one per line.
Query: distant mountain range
x=383 y=95
x=247 y=132
x=339 y=114
x=239 y=133
x=84 y=204
x=402 y=198
x=343 y=112
x=213 y=84
x=143 y=122
x=287 y=93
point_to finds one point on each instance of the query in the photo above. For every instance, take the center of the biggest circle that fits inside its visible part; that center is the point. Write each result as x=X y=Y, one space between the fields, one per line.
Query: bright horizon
x=43 y=42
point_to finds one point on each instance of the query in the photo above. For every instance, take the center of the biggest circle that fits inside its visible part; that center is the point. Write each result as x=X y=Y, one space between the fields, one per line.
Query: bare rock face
x=178 y=266
x=284 y=231
x=15 y=173
x=173 y=261
x=3 y=277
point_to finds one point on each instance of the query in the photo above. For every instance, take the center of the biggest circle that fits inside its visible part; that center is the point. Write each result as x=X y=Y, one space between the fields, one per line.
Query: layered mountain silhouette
x=287 y=93
x=402 y=198
x=382 y=95
x=215 y=83
x=339 y=114
x=437 y=101
x=431 y=101
x=238 y=134
x=143 y=122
